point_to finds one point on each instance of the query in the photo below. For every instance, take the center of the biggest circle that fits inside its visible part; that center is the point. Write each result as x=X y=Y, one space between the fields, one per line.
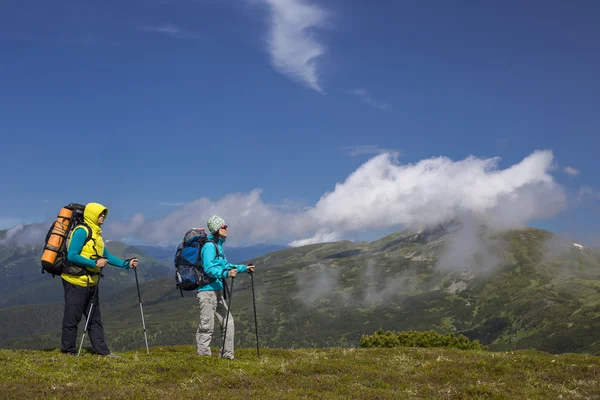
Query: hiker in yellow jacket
x=86 y=258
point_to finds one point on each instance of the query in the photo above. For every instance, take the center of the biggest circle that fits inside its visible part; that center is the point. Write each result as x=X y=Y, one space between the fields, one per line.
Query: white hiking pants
x=211 y=303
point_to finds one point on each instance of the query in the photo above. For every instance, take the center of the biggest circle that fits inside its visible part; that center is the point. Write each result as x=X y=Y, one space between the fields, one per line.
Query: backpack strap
x=198 y=256
x=77 y=270
x=88 y=237
x=216 y=248
x=225 y=288
x=223 y=280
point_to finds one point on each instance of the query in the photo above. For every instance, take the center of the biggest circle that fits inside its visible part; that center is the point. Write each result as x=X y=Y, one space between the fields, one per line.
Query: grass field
x=351 y=373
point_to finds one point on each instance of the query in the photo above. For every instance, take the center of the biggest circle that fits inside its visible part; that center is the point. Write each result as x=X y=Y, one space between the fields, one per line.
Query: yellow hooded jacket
x=90 y=250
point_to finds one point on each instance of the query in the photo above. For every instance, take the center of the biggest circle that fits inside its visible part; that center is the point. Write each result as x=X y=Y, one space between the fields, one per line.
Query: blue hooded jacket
x=216 y=267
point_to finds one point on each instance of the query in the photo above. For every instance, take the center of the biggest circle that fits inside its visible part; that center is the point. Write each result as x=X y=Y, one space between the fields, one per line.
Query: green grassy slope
x=407 y=373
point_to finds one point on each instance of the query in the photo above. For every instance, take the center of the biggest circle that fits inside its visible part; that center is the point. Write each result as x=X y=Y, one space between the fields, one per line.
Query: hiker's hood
x=91 y=213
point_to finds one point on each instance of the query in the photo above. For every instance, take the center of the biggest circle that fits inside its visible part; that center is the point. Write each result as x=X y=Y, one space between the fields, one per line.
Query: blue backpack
x=189 y=273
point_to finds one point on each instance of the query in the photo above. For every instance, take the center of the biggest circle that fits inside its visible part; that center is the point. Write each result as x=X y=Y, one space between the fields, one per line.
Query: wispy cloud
x=170 y=204
x=368 y=99
x=21 y=234
x=9 y=222
x=505 y=141
x=292 y=44
x=170 y=30
x=585 y=194
x=368 y=149
x=572 y=171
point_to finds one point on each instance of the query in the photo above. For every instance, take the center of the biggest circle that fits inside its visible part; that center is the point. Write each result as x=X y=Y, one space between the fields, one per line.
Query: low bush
x=383 y=338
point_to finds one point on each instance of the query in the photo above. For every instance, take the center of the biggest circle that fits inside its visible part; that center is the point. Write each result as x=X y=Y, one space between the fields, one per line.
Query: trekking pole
x=89 y=316
x=255 y=320
x=141 y=310
x=228 y=311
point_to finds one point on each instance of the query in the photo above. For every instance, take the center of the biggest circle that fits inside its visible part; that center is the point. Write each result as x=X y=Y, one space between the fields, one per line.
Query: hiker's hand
x=101 y=262
x=250 y=268
x=232 y=273
x=133 y=263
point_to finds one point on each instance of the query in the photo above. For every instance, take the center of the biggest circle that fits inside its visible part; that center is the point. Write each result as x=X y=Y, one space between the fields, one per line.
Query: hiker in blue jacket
x=210 y=296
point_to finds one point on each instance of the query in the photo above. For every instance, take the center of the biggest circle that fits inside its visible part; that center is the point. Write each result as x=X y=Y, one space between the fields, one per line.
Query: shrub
x=383 y=338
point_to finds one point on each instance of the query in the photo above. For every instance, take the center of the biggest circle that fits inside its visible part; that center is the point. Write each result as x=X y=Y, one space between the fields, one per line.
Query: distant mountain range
x=234 y=254
x=516 y=289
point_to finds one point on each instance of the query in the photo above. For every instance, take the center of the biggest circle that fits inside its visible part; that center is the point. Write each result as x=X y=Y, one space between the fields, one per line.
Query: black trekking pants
x=77 y=303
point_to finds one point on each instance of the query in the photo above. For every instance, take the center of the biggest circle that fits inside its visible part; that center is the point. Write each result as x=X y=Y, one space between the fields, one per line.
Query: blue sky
x=176 y=109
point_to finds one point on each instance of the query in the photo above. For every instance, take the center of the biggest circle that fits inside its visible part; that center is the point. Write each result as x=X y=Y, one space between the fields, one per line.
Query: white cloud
x=319 y=237
x=572 y=171
x=250 y=219
x=292 y=43
x=367 y=98
x=380 y=194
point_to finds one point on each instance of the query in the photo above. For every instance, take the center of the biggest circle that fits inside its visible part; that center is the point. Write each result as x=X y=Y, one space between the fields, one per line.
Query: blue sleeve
x=77 y=242
x=112 y=260
x=239 y=267
x=213 y=266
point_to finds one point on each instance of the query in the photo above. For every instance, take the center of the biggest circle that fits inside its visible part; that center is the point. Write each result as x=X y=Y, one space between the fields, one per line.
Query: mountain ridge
x=329 y=294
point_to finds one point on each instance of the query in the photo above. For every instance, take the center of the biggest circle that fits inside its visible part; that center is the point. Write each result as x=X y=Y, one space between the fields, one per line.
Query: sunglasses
x=224 y=227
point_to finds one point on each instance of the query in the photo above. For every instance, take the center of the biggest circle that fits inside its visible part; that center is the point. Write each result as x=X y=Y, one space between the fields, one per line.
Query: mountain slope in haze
x=535 y=295
x=21 y=280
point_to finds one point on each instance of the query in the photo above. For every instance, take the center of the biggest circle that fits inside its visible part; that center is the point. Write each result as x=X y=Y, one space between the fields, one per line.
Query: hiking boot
x=111 y=355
